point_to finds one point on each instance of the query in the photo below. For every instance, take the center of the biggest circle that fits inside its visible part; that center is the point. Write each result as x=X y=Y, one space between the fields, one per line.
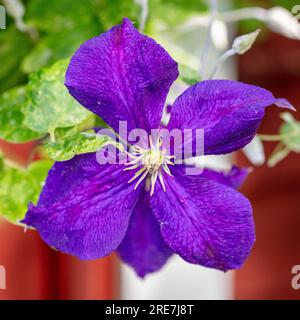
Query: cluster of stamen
x=152 y=163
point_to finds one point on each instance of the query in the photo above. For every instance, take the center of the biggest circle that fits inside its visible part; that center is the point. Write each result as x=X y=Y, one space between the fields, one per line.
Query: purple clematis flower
x=89 y=210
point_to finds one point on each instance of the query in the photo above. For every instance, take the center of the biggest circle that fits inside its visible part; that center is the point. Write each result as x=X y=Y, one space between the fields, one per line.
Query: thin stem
x=144 y=13
x=207 y=43
x=52 y=135
x=279 y=153
x=244 y=13
x=229 y=53
x=256 y=13
x=270 y=137
x=16 y=9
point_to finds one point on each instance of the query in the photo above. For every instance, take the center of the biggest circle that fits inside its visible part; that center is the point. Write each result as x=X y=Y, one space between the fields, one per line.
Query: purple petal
x=230 y=113
x=122 y=75
x=143 y=247
x=84 y=208
x=283 y=103
x=204 y=222
x=234 y=178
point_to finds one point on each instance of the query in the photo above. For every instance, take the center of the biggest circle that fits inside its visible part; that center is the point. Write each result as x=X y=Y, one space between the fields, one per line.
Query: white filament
x=153 y=162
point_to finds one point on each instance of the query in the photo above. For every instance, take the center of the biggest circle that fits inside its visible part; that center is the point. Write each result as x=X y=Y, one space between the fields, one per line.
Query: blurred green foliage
x=252 y=24
x=290 y=132
x=288 y=4
x=187 y=75
x=288 y=139
x=12 y=126
x=174 y=12
x=63 y=25
x=18 y=187
x=14 y=46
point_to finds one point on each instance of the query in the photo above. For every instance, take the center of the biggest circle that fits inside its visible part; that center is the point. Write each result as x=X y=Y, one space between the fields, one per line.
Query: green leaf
x=111 y=13
x=53 y=16
x=188 y=75
x=14 y=46
x=1 y=163
x=49 y=104
x=54 y=47
x=12 y=126
x=290 y=132
x=19 y=187
x=87 y=124
x=67 y=147
x=64 y=26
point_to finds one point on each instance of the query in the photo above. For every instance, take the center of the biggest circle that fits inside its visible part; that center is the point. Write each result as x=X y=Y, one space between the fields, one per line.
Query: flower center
x=153 y=162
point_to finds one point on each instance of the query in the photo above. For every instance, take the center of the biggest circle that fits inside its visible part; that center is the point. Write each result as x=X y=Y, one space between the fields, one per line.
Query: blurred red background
x=274 y=192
